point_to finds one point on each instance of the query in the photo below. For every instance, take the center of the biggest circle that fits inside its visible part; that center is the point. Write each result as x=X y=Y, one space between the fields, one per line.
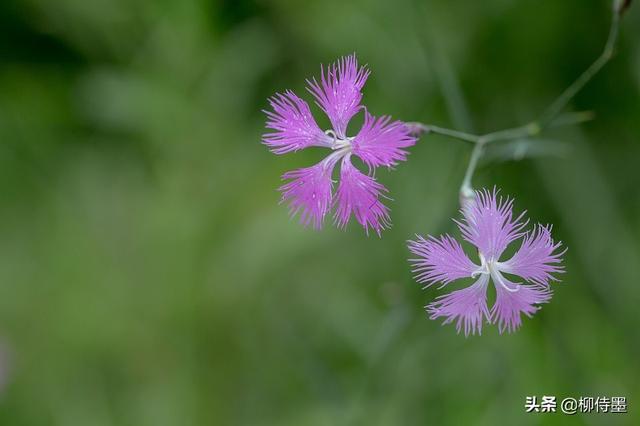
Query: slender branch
x=419 y=128
x=572 y=118
x=558 y=105
x=549 y=118
x=466 y=190
x=513 y=133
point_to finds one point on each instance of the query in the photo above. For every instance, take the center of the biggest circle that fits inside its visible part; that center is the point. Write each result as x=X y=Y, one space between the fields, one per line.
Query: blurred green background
x=148 y=275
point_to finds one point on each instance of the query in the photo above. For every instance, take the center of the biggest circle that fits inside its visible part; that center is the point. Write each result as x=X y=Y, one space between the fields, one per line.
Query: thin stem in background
x=549 y=118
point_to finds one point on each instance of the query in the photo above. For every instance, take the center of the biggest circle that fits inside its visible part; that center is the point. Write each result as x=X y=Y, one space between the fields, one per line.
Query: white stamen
x=498 y=278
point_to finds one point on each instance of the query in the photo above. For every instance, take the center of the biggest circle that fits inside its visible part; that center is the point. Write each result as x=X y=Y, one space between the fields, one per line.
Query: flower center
x=490 y=267
x=338 y=143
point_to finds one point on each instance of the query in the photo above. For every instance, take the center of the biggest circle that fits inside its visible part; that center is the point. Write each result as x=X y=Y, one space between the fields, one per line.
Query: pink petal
x=489 y=223
x=512 y=300
x=440 y=260
x=468 y=307
x=339 y=91
x=309 y=192
x=380 y=141
x=295 y=127
x=535 y=260
x=359 y=194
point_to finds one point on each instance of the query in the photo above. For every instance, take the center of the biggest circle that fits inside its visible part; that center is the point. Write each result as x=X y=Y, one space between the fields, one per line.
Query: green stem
x=466 y=190
x=549 y=118
x=558 y=105
x=428 y=128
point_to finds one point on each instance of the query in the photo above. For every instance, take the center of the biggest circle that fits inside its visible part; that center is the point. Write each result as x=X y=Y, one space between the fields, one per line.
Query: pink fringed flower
x=489 y=224
x=380 y=142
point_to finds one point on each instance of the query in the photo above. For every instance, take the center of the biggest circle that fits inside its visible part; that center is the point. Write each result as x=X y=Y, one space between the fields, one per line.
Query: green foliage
x=149 y=277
